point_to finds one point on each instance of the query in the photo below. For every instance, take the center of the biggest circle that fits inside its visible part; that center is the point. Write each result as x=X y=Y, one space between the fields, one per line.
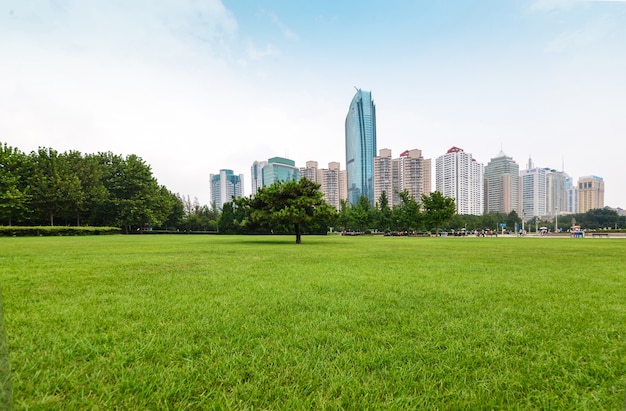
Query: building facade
x=502 y=185
x=534 y=199
x=557 y=185
x=332 y=181
x=460 y=177
x=590 y=193
x=360 y=133
x=225 y=186
x=410 y=172
x=266 y=173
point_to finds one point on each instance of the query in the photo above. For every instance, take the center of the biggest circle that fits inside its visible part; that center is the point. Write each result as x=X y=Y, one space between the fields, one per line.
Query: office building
x=225 y=186
x=266 y=173
x=534 y=198
x=502 y=185
x=360 y=133
x=590 y=193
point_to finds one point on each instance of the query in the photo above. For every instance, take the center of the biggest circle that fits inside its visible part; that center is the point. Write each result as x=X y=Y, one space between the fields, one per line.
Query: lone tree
x=438 y=209
x=295 y=203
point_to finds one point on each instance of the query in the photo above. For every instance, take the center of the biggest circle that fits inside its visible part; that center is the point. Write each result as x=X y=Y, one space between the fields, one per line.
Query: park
x=243 y=322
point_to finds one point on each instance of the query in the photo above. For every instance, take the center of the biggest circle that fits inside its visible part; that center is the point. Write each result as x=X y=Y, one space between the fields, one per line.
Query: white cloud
x=284 y=29
x=552 y=5
x=573 y=40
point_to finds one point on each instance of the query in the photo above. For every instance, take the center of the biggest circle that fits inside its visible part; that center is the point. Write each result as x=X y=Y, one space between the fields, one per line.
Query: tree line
x=46 y=187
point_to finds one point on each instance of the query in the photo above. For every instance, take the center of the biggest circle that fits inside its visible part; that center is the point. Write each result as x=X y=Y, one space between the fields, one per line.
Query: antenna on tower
x=355 y=88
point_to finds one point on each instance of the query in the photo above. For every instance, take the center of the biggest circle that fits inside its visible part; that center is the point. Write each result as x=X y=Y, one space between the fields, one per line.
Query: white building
x=460 y=177
x=224 y=187
x=534 y=198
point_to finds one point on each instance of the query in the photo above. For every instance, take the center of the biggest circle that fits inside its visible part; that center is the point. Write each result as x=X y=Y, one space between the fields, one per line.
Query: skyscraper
x=534 y=194
x=460 y=177
x=361 y=146
x=502 y=187
x=225 y=186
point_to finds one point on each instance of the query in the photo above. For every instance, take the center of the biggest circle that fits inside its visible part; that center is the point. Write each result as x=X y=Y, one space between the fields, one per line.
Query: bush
x=23 y=231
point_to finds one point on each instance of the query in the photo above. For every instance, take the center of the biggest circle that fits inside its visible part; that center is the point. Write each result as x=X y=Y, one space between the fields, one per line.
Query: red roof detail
x=404 y=153
x=455 y=150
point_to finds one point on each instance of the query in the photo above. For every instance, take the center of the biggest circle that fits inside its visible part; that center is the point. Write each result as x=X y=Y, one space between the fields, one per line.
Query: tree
x=362 y=214
x=383 y=213
x=14 y=196
x=293 y=202
x=438 y=209
x=408 y=215
x=54 y=187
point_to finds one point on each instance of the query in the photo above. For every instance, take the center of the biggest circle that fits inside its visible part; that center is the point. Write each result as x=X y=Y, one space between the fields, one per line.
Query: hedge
x=24 y=231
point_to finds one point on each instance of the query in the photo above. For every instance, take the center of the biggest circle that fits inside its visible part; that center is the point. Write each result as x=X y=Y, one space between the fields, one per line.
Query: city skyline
x=195 y=87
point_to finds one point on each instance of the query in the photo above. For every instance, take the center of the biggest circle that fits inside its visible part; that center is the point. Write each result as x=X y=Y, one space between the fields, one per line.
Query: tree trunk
x=298 y=233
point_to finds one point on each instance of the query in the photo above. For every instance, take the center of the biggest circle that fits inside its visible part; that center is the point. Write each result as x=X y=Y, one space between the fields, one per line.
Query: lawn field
x=192 y=322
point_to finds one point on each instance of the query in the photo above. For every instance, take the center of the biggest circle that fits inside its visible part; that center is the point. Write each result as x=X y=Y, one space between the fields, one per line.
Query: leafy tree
x=54 y=187
x=362 y=214
x=295 y=203
x=383 y=213
x=15 y=166
x=343 y=216
x=438 y=209
x=408 y=212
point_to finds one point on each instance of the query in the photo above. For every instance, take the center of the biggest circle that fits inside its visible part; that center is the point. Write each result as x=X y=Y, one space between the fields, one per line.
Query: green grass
x=217 y=322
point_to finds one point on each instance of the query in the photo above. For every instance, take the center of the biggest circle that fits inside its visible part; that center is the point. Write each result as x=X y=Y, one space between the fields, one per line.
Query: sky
x=195 y=86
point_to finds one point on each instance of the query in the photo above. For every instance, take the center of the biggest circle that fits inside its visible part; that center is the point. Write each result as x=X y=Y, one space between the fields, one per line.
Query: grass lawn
x=237 y=322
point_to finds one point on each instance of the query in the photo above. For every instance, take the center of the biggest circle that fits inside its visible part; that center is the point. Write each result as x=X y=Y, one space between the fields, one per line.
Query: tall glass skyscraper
x=361 y=147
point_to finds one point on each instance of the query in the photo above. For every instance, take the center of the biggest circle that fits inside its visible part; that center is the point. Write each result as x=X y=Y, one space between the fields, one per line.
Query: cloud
x=552 y=5
x=572 y=40
x=255 y=54
x=286 y=31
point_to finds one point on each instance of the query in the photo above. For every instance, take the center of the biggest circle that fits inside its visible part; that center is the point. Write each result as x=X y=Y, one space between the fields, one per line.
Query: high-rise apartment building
x=332 y=181
x=360 y=134
x=502 y=186
x=590 y=193
x=460 y=177
x=410 y=172
x=385 y=177
x=266 y=173
x=225 y=186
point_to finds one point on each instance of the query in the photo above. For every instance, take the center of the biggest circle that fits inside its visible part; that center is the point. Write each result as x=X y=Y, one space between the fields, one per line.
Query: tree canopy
x=286 y=202
x=438 y=208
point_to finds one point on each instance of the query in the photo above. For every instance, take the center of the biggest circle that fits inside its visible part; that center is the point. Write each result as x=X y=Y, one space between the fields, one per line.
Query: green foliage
x=408 y=214
x=438 y=209
x=30 y=231
x=295 y=203
x=14 y=192
x=383 y=213
x=47 y=187
x=362 y=214
x=225 y=322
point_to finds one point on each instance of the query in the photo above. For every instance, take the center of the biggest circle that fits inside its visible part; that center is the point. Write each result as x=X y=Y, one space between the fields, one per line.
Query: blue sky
x=193 y=86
